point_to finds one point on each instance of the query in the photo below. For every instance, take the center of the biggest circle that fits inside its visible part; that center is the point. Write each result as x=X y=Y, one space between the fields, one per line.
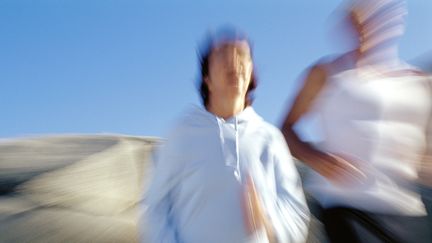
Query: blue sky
x=130 y=67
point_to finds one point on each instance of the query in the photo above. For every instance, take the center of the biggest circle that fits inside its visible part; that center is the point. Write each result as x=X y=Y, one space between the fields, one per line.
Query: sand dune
x=72 y=188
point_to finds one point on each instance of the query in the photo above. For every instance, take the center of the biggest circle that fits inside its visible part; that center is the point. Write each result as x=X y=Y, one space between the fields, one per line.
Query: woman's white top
x=378 y=122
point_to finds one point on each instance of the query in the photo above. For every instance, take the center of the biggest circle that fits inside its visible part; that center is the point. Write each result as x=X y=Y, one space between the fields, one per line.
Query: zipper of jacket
x=237 y=172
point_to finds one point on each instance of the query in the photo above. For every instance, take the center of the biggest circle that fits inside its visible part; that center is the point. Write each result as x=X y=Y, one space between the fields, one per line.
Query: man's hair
x=205 y=50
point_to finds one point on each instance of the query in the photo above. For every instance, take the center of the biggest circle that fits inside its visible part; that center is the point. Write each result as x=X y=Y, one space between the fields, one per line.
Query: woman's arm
x=331 y=166
x=425 y=173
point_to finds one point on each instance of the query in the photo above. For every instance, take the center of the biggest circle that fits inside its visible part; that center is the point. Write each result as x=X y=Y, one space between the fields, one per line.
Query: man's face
x=230 y=70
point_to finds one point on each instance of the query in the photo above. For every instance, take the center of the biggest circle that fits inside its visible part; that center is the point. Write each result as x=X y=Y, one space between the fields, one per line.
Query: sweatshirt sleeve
x=289 y=213
x=160 y=195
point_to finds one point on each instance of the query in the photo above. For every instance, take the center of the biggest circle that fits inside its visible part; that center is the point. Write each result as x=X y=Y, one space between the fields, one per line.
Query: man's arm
x=289 y=215
x=158 y=199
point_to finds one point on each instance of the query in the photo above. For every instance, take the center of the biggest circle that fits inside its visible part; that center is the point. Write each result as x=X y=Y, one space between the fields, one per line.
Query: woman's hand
x=338 y=170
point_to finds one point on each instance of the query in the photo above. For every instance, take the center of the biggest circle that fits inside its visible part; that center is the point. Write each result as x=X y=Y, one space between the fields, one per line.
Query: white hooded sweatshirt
x=196 y=191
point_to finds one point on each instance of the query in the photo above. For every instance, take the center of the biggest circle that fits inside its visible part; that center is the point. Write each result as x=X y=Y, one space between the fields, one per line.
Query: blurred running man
x=225 y=175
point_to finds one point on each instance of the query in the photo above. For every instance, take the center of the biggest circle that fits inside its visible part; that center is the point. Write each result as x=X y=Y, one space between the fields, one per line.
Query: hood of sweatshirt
x=228 y=130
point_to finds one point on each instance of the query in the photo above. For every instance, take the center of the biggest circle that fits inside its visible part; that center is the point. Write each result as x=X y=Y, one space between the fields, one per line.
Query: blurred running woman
x=373 y=110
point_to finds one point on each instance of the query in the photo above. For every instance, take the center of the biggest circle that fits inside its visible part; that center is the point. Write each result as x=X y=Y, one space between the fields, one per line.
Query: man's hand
x=254 y=215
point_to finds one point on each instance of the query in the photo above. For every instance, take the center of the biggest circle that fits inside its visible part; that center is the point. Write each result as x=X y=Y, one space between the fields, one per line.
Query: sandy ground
x=72 y=188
